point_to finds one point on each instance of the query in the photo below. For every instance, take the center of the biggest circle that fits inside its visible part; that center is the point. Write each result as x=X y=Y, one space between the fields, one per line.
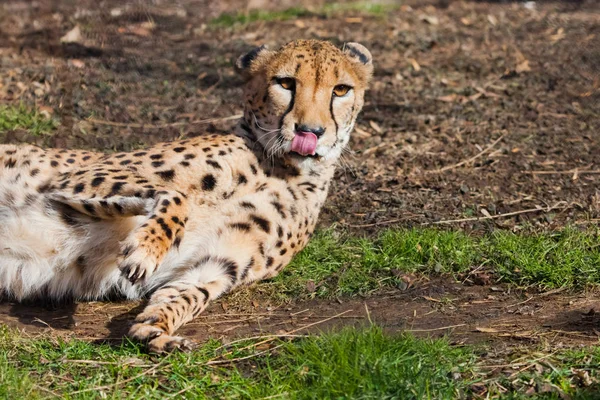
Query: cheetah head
x=302 y=100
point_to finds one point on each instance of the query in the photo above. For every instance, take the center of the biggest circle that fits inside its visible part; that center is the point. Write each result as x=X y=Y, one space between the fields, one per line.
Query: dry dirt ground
x=478 y=109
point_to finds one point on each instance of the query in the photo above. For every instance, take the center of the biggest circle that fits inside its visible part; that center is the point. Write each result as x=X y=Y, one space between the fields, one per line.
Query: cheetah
x=184 y=222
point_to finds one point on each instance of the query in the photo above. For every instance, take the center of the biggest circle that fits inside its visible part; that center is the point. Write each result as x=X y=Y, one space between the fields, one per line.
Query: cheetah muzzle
x=187 y=221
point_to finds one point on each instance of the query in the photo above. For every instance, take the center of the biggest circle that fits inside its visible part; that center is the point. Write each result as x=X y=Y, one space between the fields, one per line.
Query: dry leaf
x=449 y=98
x=310 y=286
x=46 y=111
x=466 y=21
x=492 y=20
x=299 y=24
x=414 y=64
x=559 y=35
x=76 y=63
x=361 y=132
x=354 y=20
x=430 y=19
x=375 y=127
x=264 y=346
x=485 y=212
x=73 y=36
x=486 y=330
x=523 y=67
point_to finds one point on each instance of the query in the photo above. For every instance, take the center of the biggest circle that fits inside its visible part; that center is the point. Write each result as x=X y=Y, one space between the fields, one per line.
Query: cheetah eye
x=286 y=83
x=341 y=90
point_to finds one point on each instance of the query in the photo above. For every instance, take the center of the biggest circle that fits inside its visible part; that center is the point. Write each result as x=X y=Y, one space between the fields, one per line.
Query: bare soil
x=467 y=314
x=477 y=110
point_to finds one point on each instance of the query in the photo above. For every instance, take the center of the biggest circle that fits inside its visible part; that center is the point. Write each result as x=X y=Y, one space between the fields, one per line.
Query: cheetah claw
x=136 y=265
x=158 y=341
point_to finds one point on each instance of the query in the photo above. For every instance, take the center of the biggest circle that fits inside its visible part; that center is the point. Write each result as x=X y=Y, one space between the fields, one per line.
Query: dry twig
x=137 y=125
x=510 y=214
x=469 y=160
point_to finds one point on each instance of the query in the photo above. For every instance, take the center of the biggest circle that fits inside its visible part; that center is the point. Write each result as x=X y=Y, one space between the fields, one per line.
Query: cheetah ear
x=244 y=63
x=358 y=54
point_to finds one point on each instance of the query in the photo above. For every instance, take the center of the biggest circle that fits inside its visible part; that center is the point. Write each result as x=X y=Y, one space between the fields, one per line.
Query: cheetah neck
x=280 y=167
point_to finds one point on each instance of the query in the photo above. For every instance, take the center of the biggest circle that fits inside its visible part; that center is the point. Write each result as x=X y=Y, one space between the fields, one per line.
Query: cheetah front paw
x=158 y=341
x=136 y=263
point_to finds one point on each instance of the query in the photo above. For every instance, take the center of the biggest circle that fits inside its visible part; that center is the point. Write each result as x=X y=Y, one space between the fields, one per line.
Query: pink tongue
x=304 y=143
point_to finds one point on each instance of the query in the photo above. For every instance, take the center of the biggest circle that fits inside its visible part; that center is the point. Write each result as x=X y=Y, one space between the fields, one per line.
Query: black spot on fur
x=242 y=180
x=242 y=226
x=168 y=175
x=168 y=232
x=247 y=205
x=230 y=269
x=262 y=223
x=78 y=188
x=116 y=188
x=119 y=208
x=156 y=156
x=248 y=266
x=177 y=200
x=54 y=163
x=208 y=182
x=279 y=207
x=214 y=164
x=89 y=208
x=125 y=162
x=157 y=164
x=34 y=172
x=179 y=149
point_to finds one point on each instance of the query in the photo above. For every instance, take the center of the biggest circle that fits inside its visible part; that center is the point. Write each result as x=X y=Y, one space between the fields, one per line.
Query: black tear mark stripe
x=289 y=109
x=332 y=115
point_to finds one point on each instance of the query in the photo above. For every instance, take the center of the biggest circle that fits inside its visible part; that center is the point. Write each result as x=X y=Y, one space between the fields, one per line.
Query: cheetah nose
x=318 y=130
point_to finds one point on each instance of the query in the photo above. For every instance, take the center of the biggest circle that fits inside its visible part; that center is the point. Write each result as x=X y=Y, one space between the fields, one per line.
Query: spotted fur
x=185 y=221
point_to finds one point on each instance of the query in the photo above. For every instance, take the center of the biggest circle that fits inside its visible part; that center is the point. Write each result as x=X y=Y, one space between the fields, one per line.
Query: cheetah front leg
x=179 y=302
x=143 y=250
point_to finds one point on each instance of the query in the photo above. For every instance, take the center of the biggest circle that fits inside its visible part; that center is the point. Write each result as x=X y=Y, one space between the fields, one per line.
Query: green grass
x=328 y=10
x=335 y=264
x=349 y=364
x=21 y=117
